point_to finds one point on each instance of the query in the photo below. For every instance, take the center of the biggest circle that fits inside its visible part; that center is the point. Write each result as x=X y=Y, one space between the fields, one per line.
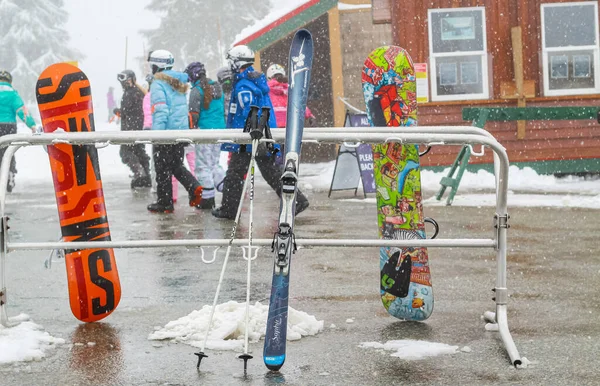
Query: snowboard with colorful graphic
x=65 y=101
x=389 y=87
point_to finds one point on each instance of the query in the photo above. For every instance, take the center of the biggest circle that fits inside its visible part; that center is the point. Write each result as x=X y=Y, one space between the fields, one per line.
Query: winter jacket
x=11 y=106
x=279 y=98
x=169 y=102
x=214 y=116
x=249 y=88
x=147 y=107
x=132 y=111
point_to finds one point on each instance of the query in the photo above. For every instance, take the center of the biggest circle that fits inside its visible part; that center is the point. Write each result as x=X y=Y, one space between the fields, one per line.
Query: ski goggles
x=122 y=77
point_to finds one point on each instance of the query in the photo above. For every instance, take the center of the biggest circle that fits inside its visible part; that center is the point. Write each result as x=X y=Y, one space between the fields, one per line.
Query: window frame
x=547 y=51
x=482 y=54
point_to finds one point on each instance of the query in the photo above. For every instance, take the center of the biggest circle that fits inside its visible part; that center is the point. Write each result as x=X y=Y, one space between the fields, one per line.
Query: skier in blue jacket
x=169 y=112
x=11 y=106
x=249 y=88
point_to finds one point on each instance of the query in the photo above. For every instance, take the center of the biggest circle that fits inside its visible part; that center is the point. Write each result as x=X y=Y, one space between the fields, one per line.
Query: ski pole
x=249 y=257
x=256 y=132
x=253 y=113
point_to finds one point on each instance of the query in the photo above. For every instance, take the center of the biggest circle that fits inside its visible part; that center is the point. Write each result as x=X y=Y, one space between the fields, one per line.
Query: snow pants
x=168 y=162
x=234 y=178
x=208 y=168
x=190 y=157
x=6 y=129
x=136 y=158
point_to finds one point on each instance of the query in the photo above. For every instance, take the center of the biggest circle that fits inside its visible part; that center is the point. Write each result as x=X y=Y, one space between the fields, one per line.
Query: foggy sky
x=98 y=29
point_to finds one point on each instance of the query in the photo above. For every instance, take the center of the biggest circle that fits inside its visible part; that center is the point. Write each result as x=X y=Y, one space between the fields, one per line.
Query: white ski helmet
x=160 y=60
x=240 y=56
x=275 y=69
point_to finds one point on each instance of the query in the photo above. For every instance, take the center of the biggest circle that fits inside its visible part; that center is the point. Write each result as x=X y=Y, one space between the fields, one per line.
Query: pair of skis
x=300 y=63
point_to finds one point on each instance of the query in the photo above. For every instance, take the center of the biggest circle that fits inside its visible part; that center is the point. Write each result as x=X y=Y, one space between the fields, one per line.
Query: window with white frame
x=570 y=48
x=458 y=54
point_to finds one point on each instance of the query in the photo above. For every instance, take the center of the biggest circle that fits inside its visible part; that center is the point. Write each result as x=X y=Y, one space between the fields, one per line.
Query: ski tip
x=274 y=363
x=274 y=368
x=303 y=33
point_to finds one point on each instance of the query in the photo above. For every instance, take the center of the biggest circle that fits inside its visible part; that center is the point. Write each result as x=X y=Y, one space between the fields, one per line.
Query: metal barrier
x=451 y=135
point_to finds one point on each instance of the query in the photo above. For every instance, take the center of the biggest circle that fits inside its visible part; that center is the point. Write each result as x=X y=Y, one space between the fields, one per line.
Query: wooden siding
x=544 y=140
x=359 y=37
x=381 y=11
x=320 y=92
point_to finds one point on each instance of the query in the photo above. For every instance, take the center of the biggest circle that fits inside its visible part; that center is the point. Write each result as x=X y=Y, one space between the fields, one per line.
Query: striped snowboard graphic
x=65 y=102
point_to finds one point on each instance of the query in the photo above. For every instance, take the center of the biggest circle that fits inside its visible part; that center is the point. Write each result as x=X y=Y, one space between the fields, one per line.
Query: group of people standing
x=166 y=107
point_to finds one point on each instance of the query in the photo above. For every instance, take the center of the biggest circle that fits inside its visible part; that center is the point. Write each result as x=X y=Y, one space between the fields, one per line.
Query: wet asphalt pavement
x=554 y=309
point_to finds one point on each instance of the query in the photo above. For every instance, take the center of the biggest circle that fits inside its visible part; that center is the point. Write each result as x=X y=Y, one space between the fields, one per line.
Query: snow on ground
x=229 y=324
x=25 y=342
x=412 y=349
x=33 y=163
x=527 y=188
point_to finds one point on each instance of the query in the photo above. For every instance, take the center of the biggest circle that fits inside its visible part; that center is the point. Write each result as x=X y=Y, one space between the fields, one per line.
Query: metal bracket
x=500 y=222
x=250 y=252
x=501 y=296
x=4 y=233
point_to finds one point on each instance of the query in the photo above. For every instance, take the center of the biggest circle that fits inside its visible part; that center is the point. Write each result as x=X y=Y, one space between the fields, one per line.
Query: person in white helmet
x=278 y=84
x=249 y=88
x=169 y=112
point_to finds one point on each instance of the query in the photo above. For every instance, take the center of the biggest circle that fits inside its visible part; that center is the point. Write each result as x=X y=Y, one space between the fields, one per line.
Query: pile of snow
x=522 y=200
x=229 y=324
x=25 y=342
x=410 y=349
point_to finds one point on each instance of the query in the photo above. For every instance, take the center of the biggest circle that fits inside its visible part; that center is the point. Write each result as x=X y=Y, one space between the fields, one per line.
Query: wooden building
x=344 y=34
x=501 y=53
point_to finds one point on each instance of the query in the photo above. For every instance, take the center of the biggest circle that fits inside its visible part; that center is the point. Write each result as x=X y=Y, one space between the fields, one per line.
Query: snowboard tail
x=389 y=88
x=65 y=102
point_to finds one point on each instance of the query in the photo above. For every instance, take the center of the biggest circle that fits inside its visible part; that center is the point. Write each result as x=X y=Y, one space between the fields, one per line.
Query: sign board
x=365 y=161
x=422 y=82
x=354 y=163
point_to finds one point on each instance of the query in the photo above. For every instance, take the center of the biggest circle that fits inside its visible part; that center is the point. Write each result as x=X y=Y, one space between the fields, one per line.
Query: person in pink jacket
x=147 y=106
x=278 y=83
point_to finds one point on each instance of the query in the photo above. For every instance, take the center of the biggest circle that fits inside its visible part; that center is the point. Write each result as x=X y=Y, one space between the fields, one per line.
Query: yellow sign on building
x=422 y=83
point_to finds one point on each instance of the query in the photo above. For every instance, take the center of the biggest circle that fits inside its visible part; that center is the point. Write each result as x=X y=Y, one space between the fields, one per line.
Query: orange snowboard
x=65 y=102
